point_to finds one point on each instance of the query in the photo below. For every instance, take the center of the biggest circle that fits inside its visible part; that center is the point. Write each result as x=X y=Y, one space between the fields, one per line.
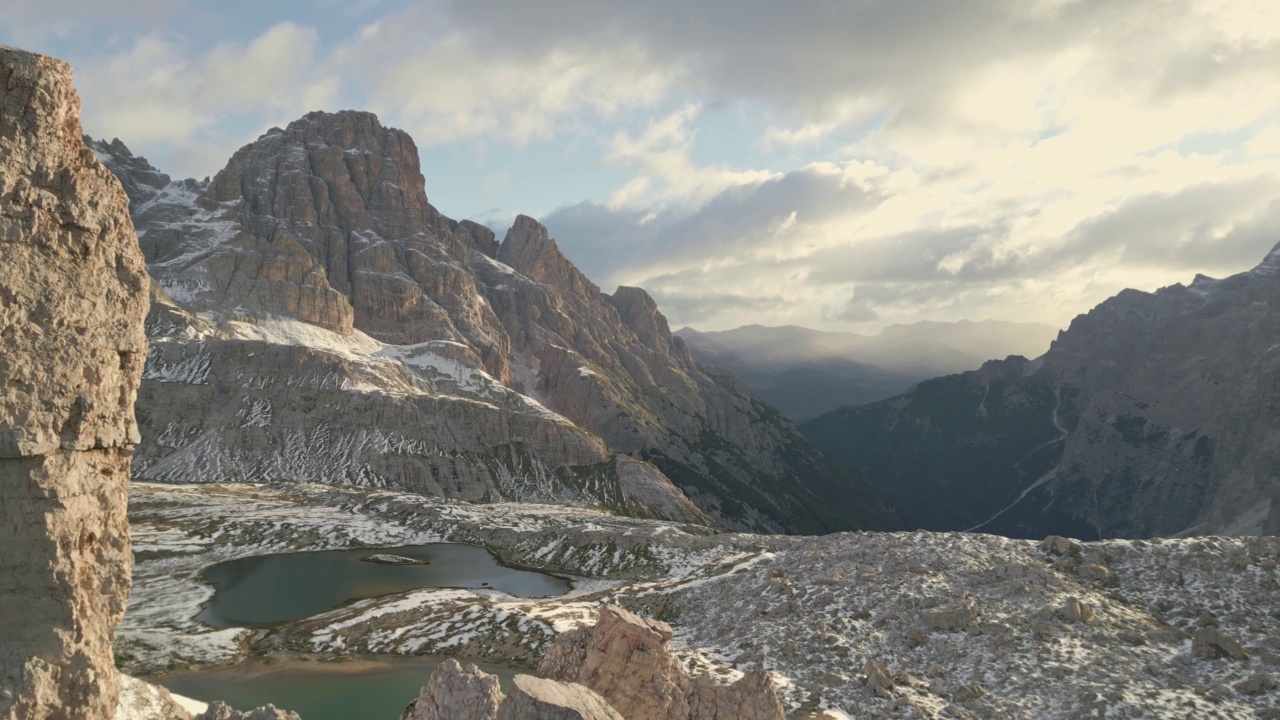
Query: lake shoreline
x=346 y=665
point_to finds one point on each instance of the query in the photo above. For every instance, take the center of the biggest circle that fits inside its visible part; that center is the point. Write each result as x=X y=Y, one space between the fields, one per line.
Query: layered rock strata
x=73 y=295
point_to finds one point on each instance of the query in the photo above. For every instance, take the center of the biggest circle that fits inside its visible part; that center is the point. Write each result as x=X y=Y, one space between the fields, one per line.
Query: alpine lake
x=269 y=590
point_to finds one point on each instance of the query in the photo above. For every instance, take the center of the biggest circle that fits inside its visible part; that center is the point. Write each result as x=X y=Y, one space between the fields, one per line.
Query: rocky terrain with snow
x=316 y=319
x=850 y=624
x=1153 y=414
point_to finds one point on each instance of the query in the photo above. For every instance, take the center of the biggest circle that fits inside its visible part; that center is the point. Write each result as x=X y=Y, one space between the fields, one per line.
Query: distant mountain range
x=1154 y=414
x=315 y=319
x=805 y=372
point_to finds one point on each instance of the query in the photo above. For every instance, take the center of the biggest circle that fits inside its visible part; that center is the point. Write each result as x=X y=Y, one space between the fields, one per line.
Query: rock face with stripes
x=73 y=295
x=317 y=319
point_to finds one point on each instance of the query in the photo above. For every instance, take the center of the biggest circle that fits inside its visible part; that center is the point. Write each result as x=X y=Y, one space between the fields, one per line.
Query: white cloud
x=1265 y=143
x=445 y=86
x=155 y=93
x=660 y=156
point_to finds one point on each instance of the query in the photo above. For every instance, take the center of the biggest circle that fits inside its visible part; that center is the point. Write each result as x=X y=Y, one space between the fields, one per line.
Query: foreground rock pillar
x=73 y=295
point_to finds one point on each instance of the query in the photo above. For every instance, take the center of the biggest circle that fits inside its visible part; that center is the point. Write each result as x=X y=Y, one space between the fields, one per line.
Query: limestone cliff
x=318 y=319
x=1152 y=414
x=73 y=295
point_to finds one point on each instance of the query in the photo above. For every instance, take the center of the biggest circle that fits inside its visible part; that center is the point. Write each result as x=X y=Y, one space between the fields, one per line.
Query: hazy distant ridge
x=806 y=372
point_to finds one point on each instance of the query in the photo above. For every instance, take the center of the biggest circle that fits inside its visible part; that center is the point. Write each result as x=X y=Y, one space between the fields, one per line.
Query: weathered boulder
x=1075 y=611
x=73 y=296
x=878 y=677
x=952 y=618
x=1058 y=545
x=1099 y=574
x=455 y=692
x=1256 y=684
x=1211 y=643
x=533 y=698
x=625 y=658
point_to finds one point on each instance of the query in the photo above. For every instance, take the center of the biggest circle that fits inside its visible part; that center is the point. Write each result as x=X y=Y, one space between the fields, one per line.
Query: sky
x=837 y=164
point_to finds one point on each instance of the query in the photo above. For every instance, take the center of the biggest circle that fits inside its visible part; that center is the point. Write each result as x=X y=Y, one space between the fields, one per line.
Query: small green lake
x=268 y=590
x=316 y=691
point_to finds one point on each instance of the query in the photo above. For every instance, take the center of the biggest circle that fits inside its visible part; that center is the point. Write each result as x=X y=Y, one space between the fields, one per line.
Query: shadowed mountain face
x=1153 y=414
x=316 y=319
x=805 y=373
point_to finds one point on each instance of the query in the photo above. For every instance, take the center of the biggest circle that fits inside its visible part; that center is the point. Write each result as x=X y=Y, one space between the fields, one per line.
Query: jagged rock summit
x=73 y=295
x=1152 y=415
x=316 y=319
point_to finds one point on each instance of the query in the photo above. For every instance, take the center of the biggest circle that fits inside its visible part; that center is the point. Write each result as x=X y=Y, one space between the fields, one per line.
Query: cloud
x=31 y=23
x=447 y=86
x=1019 y=160
x=155 y=93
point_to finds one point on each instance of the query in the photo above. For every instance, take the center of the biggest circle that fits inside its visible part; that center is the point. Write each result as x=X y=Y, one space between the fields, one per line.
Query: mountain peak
x=640 y=313
x=531 y=250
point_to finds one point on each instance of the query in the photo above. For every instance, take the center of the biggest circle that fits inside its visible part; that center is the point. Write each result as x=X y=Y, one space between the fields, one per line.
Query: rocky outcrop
x=1210 y=643
x=620 y=668
x=533 y=697
x=140 y=700
x=73 y=295
x=431 y=357
x=221 y=711
x=1152 y=414
x=625 y=658
x=455 y=692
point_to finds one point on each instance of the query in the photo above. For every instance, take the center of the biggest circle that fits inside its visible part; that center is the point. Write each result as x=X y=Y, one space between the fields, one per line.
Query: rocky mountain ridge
x=316 y=319
x=1152 y=414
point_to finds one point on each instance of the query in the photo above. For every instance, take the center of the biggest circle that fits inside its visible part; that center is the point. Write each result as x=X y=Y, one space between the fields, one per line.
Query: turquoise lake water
x=271 y=589
x=323 y=692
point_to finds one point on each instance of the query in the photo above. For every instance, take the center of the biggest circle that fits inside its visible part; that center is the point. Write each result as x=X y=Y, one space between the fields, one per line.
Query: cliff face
x=319 y=320
x=73 y=295
x=1153 y=414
